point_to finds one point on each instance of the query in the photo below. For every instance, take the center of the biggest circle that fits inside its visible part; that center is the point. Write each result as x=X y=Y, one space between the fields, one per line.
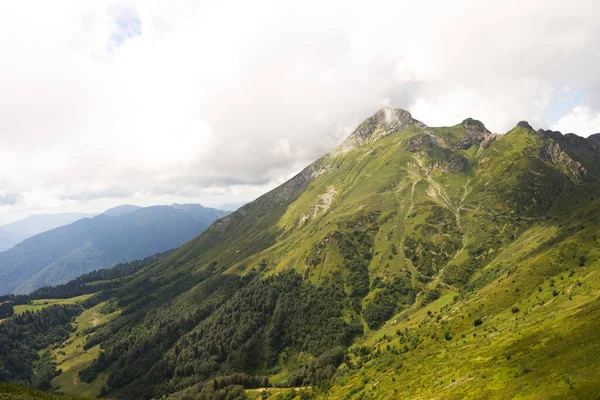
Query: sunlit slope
x=401 y=220
x=425 y=199
x=527 y=325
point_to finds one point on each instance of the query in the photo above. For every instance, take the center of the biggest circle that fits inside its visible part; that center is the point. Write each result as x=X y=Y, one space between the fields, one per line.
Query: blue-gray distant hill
x=15 y=232
x=120 y=210
x=123 y=234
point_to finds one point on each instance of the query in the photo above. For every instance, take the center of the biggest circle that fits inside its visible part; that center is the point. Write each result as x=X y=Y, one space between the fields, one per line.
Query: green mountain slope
x=410 y=262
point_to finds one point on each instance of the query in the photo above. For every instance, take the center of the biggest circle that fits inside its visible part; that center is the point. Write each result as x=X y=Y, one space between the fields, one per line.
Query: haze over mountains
x=410 y=262
x=15 y=232
x=120 y=234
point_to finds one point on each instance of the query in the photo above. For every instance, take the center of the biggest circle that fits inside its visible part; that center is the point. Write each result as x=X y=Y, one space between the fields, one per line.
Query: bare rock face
x=420 y=143
x=489 y=139
x=384 y=122
x=476 y=134
x=425 y=143
x=555 y=155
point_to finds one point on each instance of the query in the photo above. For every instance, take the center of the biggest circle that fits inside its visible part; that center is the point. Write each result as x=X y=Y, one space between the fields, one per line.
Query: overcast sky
x=154 y=102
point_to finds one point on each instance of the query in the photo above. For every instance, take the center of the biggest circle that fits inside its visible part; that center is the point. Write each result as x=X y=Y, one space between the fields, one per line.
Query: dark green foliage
x=22 y=336
x=357 y=249
x=15 y=299
x=430 y=295
x=385 y=302
x=433 y=243
x=134 y=352
x=380 y=309
x=360 y=351
x=44 y=371
x=81 y=285
x=6 y=310
x=477 y=322
x=320 y=369
x=240 y=329
x=227 y=388
x=354 y=241
x=266 y=317
x=18 y=392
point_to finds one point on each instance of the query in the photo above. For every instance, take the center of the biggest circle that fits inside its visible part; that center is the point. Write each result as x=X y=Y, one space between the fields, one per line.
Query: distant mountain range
x=118 y=235
x=14 y=233
x=120 y=210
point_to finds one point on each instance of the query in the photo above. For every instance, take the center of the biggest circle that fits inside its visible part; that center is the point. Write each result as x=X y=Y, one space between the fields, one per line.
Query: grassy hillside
x=71 y=356
x=410 y=262
x=40 y=304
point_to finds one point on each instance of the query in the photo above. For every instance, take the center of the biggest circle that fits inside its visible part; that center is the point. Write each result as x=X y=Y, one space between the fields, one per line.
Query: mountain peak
x=474 y=125
x=391 y=115
x=393 y=118
x=384 y=122
x=524 y=124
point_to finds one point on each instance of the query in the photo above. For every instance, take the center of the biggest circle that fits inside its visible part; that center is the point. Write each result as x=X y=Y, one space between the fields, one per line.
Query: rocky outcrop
x=451 y=163
x=384 y=122
x=571 y=139
x=449 y=159
x=489 y=139
x=475 y=127
x=420 y=143
x=554 y=154
x=476 y=133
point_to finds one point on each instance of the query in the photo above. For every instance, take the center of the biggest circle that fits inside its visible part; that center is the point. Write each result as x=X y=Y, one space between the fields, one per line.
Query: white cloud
x=581 y=120
x=123 y=100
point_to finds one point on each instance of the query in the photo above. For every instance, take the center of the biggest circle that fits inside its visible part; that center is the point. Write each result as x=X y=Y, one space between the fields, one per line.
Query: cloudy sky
x=153 y=102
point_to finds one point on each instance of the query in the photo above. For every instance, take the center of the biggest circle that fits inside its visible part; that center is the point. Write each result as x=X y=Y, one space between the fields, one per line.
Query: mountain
x=232 y=206
x=409 y=262
x=201 y=214
x=63 y=253
x=17 y=231
x=120 y=210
